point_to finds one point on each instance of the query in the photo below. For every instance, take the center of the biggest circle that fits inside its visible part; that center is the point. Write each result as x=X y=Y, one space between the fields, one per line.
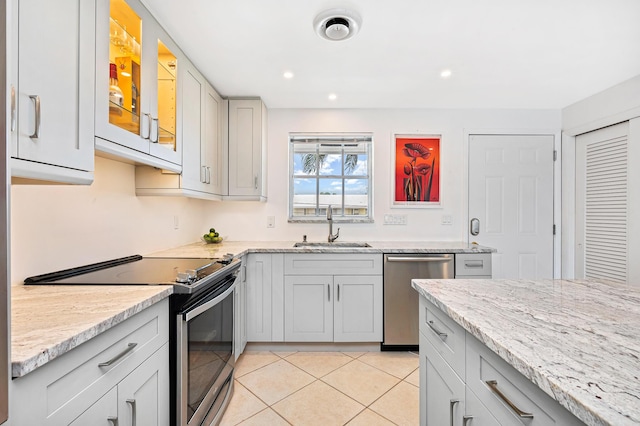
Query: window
x=331 y=169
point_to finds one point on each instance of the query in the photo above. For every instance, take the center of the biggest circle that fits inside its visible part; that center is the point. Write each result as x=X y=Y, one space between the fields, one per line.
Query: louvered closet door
x=602 y=203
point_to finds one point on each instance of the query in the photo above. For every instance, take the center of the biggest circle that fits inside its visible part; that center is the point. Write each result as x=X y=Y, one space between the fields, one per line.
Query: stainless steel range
x=201 y=332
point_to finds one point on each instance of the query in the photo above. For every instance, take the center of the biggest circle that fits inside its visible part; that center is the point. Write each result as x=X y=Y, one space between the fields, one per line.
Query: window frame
x=316 y=140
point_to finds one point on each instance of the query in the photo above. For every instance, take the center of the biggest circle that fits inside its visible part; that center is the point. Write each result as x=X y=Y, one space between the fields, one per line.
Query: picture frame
x=416 y=171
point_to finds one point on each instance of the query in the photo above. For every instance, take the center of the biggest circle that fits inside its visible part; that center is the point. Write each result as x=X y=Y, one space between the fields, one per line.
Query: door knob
x=475 y=226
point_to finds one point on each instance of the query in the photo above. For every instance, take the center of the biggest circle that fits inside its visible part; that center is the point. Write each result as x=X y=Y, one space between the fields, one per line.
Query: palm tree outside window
x=330 y=169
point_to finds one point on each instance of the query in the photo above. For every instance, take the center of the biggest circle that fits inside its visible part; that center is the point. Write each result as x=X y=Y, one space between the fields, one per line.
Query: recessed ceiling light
x=288 y=75
x=445 y=73
x=333 y=96
x=337 y=24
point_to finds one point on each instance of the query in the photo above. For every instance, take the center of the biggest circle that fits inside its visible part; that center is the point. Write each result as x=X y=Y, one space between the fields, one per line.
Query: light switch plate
x=271 y=221
x=447 y=219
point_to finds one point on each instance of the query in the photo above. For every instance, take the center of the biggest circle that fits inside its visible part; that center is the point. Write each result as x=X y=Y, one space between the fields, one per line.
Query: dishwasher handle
x=418 y=259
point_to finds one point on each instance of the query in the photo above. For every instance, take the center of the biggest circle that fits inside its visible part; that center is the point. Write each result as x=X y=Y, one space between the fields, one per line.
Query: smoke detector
x=337 y=24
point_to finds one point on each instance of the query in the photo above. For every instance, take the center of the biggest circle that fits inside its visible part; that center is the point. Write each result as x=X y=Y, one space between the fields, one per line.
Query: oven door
x=205 y=357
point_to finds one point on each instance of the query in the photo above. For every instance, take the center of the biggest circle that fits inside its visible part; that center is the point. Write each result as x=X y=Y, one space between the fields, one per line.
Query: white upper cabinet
x=136 y=69
x=51 y=90
x=203 y=112
x=247 y=150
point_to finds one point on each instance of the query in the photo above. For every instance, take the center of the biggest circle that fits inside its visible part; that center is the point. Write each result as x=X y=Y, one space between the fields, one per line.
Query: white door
x=511 y=201
x=602 y=203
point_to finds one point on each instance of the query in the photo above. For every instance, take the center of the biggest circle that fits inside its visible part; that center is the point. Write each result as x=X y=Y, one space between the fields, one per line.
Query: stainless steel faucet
x=332 y=237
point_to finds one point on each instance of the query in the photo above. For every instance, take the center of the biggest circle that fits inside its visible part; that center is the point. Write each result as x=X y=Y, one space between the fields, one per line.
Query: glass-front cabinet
x=136 y=84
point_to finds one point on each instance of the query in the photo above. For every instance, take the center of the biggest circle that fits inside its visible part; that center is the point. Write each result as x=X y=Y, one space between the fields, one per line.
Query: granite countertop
x=239 y=248
x=578 y=340
x=47 y=321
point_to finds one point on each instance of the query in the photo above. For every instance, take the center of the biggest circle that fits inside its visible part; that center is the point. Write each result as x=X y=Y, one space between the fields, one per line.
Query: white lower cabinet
x=265 y=297
x=308 y=308
x=479 y=415
x=119 y=377
x=510 y=397
x=473 y=265
x=137 y=400
x=322 y=307
x=240 y=312
x=442 y=391
x=485 y=390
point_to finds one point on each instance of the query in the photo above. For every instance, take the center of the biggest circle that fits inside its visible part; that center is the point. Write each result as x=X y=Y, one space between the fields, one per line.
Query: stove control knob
x=182 y=278
x=192 y=274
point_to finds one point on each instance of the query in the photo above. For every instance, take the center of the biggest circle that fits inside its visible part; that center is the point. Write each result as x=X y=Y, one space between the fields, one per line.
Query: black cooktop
x=138 y=270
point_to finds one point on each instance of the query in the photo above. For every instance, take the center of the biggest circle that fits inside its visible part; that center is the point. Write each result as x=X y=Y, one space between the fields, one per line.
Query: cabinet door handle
x=13 y=108
x=208 y=174
x=148 y=127
x=129 y=348
x=113 y=421
x=255 y=179
x=452 y=404
x=338 y=295
x=493 y=384
x=329 y=292
x=155 y=127
x=36 y=101
x=465 y=420
x=435 y=330
x=132 y=404
x=203 y=174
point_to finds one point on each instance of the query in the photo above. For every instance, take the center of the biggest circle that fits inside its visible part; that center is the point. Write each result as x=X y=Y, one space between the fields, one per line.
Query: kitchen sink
x=343 y=244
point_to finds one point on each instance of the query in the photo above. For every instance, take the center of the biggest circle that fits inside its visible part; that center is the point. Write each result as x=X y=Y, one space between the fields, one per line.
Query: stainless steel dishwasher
x=401 y=300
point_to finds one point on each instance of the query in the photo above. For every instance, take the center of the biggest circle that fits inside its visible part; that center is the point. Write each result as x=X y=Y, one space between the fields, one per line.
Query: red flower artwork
x=417 y=169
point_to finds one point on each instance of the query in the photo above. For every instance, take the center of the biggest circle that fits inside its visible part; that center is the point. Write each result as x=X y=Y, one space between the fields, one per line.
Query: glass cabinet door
x=164 y=132
x=125 y=82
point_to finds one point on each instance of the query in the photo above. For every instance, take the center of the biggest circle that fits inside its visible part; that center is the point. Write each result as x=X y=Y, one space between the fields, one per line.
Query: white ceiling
x=503 y=53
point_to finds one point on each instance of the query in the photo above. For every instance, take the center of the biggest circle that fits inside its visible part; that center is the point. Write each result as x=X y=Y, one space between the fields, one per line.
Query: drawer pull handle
x=473 y=263
x=465 y=420
x=113 y=421
x=129 y=348
x=452 y=404
x=132 y=404
x=493 y=384
x=435 y=330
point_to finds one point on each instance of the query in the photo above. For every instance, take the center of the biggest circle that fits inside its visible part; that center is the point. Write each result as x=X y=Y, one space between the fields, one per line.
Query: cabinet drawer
x=446 y=336
x=488 y=375
x=332 y=264
x=470 y=264
x=73 y=382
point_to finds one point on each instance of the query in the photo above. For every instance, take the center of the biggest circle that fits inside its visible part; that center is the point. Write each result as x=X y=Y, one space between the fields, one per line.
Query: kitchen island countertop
x=577 y=340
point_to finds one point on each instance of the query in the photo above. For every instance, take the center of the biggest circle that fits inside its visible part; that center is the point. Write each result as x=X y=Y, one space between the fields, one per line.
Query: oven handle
x=189 y=315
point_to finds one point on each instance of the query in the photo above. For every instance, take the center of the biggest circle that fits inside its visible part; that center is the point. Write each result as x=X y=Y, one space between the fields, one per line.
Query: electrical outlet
x=395 y=219
x=271 y=221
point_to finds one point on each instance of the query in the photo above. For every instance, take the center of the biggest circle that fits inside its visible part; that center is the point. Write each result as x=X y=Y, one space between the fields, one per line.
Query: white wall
x=61 y=226
x=248 y=220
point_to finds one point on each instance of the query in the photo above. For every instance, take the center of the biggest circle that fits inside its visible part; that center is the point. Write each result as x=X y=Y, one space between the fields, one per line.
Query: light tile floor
x=325 y=388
